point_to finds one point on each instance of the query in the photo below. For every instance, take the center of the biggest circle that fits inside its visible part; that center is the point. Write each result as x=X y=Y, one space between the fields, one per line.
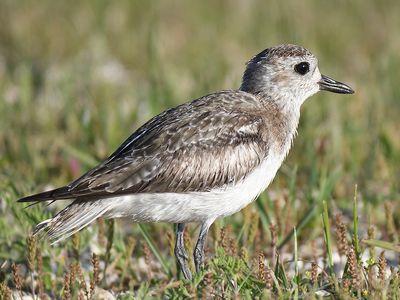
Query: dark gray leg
x=199 y=249
x=180 y=252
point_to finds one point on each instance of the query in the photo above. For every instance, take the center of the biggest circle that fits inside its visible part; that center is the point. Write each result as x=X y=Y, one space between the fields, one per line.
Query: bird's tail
x=71 y=219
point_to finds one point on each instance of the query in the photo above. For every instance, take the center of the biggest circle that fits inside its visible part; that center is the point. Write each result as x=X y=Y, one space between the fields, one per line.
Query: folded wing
x=193 y=147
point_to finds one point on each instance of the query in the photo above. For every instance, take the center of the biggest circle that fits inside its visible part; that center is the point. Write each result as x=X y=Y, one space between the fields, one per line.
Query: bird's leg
x=180 y=252
x=199 y=249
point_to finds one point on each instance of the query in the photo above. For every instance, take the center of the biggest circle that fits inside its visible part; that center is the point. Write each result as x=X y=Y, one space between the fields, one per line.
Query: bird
x=201 y=160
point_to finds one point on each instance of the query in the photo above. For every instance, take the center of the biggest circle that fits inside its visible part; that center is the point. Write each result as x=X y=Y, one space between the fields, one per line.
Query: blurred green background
x=78 y=77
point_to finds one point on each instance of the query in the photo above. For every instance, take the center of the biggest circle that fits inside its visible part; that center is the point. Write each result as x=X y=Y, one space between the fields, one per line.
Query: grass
x=77 y=79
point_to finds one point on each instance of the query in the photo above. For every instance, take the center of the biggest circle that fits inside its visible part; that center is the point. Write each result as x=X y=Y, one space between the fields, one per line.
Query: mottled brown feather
x=207 y=143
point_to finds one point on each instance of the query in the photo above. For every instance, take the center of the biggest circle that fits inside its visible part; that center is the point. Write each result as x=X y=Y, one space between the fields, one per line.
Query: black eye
x=302 y=68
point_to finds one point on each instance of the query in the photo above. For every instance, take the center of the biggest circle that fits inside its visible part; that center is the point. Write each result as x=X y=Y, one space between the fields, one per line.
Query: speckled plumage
x=186 y=149
x=201 y=160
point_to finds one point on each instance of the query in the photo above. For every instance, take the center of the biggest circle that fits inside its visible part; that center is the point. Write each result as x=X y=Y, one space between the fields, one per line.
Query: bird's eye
x=302 y=68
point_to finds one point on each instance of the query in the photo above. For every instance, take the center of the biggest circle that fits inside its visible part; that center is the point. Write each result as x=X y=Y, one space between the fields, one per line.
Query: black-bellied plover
x=201 y=160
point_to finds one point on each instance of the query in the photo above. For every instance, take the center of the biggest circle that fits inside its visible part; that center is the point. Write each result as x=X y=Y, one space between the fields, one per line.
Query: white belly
x=195 y=206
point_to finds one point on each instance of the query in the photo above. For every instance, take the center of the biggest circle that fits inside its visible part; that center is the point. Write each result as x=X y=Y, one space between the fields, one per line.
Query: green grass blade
x=154 y=249
x=296 y=267
x=306 y=219
x=382 y=244
x=83 y=157
x=280 y=273
x=355 y=225
x=265 y=218
x=327 y=235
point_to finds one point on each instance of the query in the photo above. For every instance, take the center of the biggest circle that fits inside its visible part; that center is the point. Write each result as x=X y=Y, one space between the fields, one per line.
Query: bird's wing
x=197 y=146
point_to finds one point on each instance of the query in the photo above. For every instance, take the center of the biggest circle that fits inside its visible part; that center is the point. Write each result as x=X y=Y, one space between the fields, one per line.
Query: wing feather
x=207 y=143
x=221 y=156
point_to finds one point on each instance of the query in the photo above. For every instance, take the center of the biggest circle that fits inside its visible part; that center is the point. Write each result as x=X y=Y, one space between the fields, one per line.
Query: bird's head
x=288 y=74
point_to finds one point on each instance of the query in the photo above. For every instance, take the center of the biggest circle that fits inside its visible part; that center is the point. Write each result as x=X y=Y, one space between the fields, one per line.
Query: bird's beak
x=331 y=85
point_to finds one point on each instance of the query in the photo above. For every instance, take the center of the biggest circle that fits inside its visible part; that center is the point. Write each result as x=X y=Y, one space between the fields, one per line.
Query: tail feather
x=71 y=219
x=40 y=227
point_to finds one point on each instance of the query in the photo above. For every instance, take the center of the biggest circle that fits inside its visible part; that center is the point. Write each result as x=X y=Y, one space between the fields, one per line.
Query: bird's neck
x=274 y=97
x=282 y=118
